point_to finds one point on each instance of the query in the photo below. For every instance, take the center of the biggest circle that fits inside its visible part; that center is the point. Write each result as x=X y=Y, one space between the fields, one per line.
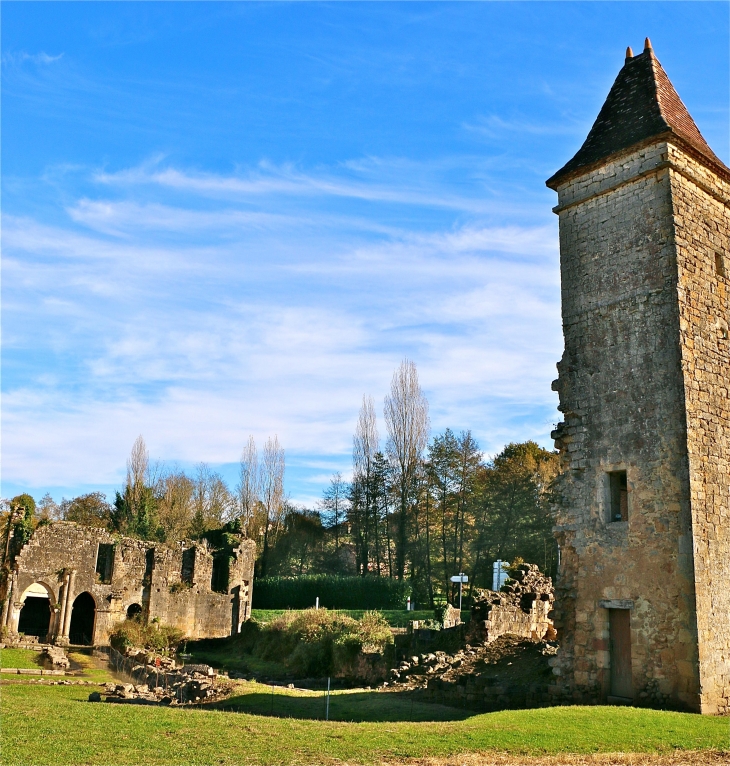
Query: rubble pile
x=506 y=662
x=56 y=656
x=143 y=657
x=508 y=672
x=189 y=684
x=419 y=670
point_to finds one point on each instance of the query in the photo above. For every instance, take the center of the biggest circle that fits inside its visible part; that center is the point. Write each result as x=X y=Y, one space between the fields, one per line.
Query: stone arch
x=83 y=617
x=36 y=613
x=134 y=610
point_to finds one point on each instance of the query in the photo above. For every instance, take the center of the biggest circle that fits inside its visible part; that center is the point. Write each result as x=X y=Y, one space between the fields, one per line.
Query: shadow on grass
x=358 y=707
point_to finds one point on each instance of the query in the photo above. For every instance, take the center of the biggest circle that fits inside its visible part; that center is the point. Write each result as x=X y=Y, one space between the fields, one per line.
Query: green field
x=20 y=658
x=56 y=725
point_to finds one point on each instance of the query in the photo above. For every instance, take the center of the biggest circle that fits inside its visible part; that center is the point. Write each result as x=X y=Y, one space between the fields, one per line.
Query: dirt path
x=680 y=758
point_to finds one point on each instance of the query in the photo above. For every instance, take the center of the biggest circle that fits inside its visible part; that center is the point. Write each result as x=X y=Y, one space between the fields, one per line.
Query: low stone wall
x=487 y=695
x=510 y=672
x=32 y=672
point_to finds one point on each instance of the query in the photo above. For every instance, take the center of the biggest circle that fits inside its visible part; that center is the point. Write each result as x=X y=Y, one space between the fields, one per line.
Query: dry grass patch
x=678 y=758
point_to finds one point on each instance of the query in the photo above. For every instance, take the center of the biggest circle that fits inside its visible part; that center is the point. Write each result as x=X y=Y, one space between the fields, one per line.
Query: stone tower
x=644 y=495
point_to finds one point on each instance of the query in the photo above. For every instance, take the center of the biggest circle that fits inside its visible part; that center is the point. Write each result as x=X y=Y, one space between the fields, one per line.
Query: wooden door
x=620 y=632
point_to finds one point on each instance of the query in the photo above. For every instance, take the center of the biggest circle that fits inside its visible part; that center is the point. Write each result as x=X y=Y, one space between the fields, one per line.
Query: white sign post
x=499 y=576
x=461 y=578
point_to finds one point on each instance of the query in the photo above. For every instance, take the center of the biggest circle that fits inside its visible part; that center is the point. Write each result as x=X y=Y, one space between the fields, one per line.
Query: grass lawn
x=354 y=705
x=223 y=654
x=44 y=725
x=93 y=670
x=20 y=658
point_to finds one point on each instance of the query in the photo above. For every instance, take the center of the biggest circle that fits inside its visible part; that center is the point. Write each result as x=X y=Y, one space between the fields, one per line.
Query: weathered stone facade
x=521 y=608
x=643 y=595
x=92 y=580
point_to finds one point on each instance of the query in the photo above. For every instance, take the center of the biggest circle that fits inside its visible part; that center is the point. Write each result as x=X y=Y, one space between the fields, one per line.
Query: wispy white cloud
x=367 y=181
x=196 y=320
x=493 y=125
x=19 y=57
x=127 y=219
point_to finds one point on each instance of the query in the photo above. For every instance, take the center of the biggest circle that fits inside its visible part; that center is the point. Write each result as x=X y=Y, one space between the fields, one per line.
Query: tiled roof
x=641 y=105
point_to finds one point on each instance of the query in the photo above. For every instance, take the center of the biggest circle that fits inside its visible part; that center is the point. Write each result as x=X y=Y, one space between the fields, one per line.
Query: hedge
x=333 y=591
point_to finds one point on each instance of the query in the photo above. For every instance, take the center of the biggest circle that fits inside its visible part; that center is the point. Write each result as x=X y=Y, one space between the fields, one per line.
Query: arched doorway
x=35 y=616
x=82 y=619
x=134 y=610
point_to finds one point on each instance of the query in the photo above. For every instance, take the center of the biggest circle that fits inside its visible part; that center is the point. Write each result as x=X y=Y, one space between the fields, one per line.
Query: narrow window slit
x=720 y=265
x=619 y=496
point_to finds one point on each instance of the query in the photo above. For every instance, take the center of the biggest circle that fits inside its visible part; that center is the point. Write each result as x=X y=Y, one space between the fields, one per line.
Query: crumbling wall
x=509 y=672
x=62 y=557
x=521 y=608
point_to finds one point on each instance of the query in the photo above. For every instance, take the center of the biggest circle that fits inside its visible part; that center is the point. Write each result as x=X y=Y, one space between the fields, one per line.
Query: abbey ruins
x=643 y=594
x=74 y=584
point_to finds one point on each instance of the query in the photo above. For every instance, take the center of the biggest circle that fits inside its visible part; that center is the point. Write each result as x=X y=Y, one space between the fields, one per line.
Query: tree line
x=425 y=508
x=417 y=507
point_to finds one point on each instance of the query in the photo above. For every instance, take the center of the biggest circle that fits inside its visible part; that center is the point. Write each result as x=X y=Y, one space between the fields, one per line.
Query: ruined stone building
x=644 y=511
x=521 y=608
x=74 y=584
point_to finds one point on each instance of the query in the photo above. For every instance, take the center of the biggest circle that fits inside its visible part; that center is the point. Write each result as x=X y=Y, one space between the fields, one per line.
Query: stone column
x=55 y=623
x=62 y=598
x=52 y=623
x=69 y=604
x=14 y=617
x=8 y=601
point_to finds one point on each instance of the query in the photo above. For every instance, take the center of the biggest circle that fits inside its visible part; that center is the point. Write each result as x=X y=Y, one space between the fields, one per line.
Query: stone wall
x=643 y=386
x=620 y=390
x=62 y=559
x=521 y=608
x=701 y=207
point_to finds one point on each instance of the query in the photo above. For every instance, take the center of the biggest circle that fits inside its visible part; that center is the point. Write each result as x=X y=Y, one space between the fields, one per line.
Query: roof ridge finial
x=647 y=45
x=629 y=54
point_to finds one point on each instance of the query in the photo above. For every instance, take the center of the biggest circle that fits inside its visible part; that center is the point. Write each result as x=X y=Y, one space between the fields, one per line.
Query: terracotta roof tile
x=642 y=104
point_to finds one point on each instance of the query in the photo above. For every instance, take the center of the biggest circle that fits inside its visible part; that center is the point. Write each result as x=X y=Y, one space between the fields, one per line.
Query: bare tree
x=366 y=439
x=272 y=491
x=249 y=484
x=175 y=504
x=364 y=449
x=406 y=416
x=48 y=508
x=135 y=508
x=138 y=469
x=212 y=500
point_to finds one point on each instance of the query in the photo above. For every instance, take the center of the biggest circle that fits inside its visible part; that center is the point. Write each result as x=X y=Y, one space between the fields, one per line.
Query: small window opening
x=619 y=496
x=149 y=565
x=720 y=265
x=105 y=562
x=188 y=566
x=220 y=576
x=134 y=611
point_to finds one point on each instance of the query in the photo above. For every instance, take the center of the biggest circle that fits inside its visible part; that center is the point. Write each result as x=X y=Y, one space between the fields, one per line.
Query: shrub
x=126 y=634
x=157 y=636
x=333 y=591
x=316 y=642
x=375 y=632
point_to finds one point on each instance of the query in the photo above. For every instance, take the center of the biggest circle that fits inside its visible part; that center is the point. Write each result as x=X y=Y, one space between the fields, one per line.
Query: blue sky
x=223 y=219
